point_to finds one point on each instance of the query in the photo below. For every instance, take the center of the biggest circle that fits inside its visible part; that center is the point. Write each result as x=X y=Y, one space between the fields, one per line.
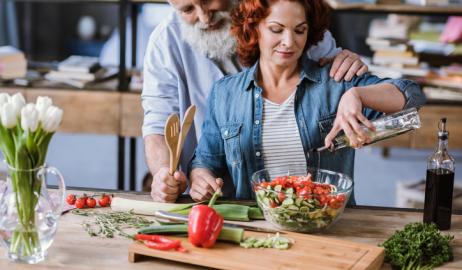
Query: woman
x=284 y=105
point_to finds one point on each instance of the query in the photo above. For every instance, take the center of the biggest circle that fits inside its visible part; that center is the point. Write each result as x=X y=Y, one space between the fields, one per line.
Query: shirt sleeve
x=210 y=152
x=410 y=89
x=160 y=94
x=326 y=48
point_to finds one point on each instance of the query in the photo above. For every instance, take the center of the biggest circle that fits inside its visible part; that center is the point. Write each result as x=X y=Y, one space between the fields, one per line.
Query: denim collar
x=310 y=70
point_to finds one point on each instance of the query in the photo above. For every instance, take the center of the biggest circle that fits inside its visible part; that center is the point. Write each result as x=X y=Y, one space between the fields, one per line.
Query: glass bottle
x=439 y=183
x=386 y=127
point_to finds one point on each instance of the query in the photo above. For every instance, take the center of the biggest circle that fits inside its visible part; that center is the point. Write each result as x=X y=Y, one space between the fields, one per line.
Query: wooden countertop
x=74 y=249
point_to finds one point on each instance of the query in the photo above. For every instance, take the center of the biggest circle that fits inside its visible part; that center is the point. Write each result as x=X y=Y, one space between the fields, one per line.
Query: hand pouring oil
x=440 y=183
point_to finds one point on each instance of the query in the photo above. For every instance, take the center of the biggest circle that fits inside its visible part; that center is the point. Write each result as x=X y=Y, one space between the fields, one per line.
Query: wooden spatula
x=171 y=134
x=187 y=121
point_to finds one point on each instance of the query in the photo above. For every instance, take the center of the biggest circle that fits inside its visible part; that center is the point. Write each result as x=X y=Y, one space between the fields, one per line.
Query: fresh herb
x=106 y=224
x=418 y=246
x=272 y=241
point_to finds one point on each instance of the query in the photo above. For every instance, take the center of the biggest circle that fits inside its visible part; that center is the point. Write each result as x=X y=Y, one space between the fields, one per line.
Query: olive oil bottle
x=439 y=183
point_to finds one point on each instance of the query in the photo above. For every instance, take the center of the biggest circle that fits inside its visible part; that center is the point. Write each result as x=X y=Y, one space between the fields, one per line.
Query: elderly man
x=186 y=54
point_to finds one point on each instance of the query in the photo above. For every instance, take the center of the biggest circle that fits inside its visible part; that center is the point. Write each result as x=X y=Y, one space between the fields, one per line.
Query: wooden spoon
x=171 y=134
x=187 y=121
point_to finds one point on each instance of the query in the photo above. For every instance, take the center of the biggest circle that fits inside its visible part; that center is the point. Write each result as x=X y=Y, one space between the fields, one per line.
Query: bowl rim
x=308 y=170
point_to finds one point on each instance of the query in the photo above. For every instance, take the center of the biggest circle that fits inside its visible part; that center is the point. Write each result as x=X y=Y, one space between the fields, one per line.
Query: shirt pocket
x=325 y=125
x=231 y=133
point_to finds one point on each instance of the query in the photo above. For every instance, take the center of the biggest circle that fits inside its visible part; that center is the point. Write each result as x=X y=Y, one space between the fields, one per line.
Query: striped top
x=281 y=143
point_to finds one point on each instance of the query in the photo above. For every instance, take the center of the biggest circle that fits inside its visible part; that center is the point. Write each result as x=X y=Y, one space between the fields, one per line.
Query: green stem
x=214 y=197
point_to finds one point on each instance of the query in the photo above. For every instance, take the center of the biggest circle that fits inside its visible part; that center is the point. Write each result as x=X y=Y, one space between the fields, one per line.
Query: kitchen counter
x=74 y=249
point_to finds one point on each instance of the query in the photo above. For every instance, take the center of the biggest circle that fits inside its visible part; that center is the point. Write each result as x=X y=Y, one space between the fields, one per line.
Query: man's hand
x=345 y=66
x=203 y=184
x=349 y=115
x=167 y=188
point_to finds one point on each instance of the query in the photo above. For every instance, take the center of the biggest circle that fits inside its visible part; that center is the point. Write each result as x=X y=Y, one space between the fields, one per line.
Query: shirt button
x=257 y=95
x=258 y=154
x=257 y=122
x=226 y=132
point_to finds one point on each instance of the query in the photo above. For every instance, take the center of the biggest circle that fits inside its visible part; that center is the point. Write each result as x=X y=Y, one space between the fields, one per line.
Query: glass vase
x=29 y=213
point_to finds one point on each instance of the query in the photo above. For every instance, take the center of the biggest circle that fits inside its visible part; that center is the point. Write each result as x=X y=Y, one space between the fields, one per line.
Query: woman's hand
x=203 y=184
x=349 y=116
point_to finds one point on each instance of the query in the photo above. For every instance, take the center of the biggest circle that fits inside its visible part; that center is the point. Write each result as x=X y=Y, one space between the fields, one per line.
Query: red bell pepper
x=204 y=224
x=160 y=242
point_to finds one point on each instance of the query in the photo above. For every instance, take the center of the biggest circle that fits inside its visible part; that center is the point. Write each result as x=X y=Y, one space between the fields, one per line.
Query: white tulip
x=53 y=118
x=8 y=117
x=18 y=102
x=42 y=105
x=4 y=98
x=29 y=117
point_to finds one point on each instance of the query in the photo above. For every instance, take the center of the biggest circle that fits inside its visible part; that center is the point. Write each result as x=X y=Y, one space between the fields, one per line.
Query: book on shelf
x=441 y=93
x=82 y=76
x=386 y=42
x=388 y=59
x=77 y=63
x=398 y=71
x=13 y=63
x=435 y=79
x=100 y=76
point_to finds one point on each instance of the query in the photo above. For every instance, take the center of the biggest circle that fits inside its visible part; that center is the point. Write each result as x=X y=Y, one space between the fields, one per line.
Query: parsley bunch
x=418 y=246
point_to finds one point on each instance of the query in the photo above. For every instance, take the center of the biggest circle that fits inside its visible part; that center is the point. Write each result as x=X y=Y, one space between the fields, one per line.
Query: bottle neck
x=442 y=144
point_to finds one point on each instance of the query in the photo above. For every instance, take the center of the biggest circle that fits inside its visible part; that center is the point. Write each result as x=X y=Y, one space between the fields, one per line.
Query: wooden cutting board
x=308 y=252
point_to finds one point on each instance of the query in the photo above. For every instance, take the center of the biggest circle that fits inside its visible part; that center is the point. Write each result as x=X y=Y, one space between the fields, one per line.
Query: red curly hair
x=249 y=13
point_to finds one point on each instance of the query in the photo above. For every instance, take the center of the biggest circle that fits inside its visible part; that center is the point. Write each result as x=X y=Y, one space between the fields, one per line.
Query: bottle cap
x=442 y=133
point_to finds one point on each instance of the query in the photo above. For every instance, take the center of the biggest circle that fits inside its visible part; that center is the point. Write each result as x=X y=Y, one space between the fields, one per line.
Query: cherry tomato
x=333 y=203
x=80 y=203
x=91 y=202
x=105 y=201
x=70 y=199
x=281 y=196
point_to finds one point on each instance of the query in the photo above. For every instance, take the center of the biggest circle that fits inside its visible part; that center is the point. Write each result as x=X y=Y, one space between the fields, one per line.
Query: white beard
x=215 y=44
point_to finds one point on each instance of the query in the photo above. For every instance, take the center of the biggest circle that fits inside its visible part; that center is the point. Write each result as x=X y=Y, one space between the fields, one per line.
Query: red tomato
x=304 y=192
x=281 y=196
x=80 y=203
x=91 y=202
x=333 y=203
x=70 y=199
x=264 y=184
x=273 y=204
x=340 y=198
x=104 y=201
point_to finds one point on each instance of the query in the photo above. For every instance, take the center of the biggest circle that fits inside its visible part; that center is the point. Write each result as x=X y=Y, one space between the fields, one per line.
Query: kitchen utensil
x=186 y=125
x=171 y=134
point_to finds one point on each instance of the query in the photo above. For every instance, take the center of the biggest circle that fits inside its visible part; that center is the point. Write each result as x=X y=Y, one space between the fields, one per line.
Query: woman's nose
x=288 y=39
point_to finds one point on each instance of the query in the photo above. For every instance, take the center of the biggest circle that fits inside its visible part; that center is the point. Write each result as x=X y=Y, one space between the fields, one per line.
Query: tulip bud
x=8 y=117
x=29 y=118
x=4 y=98
x=42 y=105
x=53 y=118
x=18 y=102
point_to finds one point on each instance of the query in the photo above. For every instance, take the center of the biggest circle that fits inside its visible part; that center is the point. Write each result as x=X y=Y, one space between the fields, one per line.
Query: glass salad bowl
x=299 y=202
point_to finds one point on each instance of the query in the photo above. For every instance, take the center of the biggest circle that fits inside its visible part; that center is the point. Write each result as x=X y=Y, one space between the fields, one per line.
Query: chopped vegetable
x=274 y=241
x=159 y=242
x=228 y=234
x=418 y=246
x=297 y=203
x=204 y=224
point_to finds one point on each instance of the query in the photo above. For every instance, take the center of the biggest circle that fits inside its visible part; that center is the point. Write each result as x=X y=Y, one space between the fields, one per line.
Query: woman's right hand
x=203 y=184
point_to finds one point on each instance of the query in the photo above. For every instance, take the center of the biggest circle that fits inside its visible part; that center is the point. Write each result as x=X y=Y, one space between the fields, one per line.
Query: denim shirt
x=231 y=140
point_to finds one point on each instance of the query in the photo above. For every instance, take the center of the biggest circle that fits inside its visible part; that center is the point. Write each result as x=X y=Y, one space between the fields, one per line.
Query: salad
x=297 y=203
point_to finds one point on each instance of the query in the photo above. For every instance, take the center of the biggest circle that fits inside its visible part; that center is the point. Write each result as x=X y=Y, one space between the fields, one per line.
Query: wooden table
x=74 y=249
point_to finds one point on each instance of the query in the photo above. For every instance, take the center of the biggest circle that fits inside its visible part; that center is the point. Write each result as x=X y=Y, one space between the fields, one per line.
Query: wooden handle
x=187 y=121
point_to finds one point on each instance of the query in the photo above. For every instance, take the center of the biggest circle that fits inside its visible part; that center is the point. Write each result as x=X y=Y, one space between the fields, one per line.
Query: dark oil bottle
x=439 y=183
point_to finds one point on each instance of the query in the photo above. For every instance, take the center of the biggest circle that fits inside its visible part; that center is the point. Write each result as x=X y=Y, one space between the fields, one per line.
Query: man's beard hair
x=216 y=43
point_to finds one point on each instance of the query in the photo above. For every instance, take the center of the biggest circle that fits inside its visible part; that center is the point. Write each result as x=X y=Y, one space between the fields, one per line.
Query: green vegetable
x=233 y=235
x=418 y=246
x=228 y=210
x=275 y=241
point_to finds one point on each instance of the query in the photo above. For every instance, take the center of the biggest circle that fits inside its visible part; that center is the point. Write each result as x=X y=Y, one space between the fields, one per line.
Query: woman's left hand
x=349 y=116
